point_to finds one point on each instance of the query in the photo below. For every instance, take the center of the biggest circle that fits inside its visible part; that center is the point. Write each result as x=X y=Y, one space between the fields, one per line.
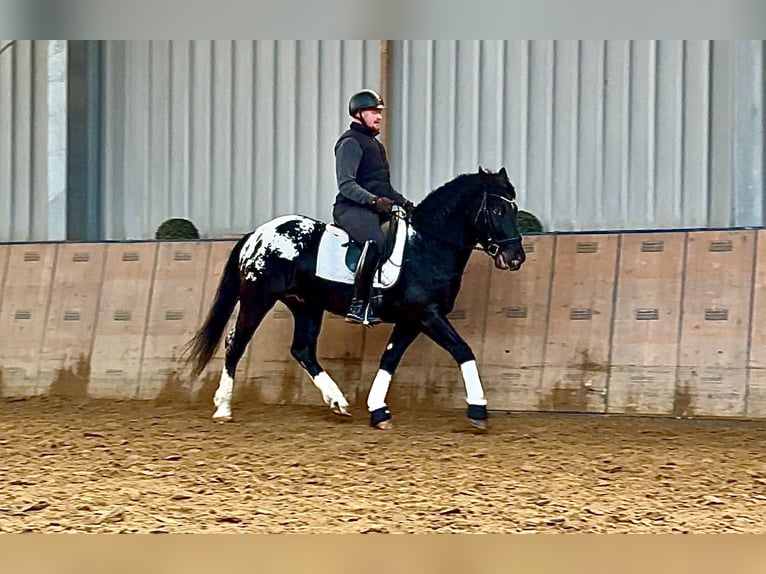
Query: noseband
x=494 y=244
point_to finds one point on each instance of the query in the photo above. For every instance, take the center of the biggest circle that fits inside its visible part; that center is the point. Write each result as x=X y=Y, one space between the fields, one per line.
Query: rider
x=366 y=197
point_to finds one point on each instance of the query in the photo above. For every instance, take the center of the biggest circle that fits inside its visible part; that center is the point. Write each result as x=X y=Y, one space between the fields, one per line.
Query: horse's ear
x=502 y=173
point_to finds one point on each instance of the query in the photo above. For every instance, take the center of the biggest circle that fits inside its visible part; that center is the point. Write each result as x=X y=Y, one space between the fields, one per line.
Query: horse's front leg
x=401 y=337
x=441 y=331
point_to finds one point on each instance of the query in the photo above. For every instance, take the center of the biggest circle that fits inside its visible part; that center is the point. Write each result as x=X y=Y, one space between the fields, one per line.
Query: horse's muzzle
x=512 y=263
x=511 y=258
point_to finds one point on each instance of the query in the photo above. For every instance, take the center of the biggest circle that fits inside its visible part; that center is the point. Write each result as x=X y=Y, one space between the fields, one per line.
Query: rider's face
x=372 y=118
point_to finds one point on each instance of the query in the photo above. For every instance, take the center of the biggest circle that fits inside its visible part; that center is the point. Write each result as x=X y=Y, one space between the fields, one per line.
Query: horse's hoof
x=342 y=411
x=477 y=414
x=380 y=418
x=480 y=424
x=223 y=420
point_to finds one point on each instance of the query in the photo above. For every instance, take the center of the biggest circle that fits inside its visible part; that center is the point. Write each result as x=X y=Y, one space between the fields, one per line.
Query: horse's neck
x=448 y=251
x=449 y=229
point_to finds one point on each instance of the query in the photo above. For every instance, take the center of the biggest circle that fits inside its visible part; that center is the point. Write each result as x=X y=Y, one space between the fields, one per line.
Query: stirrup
x=356 y=312
x=369 y=317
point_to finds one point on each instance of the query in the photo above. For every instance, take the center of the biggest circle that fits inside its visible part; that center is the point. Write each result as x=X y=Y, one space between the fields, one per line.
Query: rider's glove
x=408 y=206
x=383 y=204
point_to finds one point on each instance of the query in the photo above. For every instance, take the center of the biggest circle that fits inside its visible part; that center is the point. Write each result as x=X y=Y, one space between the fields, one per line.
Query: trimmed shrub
x=176 y=228
x=528 y=223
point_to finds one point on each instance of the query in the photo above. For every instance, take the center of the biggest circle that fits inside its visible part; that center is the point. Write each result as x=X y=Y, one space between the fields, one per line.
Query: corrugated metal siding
x=226 y=133
x=23 y=141
x=594 y=134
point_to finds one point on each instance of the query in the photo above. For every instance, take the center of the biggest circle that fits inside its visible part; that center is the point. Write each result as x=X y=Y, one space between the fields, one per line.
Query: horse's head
x=495 y=221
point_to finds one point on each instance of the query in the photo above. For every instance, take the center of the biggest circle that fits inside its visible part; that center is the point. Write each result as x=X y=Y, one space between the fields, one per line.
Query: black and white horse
x=279 y=262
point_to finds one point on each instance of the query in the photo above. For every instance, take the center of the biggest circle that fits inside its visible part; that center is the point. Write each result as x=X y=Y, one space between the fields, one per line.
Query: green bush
x=176 y=228
x=528 y=223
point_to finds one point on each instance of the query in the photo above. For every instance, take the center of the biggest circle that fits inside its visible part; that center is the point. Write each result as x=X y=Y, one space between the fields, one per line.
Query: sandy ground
x=104 y=466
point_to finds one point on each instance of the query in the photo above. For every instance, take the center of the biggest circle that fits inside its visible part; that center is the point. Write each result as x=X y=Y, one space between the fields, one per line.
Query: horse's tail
x=201 y=348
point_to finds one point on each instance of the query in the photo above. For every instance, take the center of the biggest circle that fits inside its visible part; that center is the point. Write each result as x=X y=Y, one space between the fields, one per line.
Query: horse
x=278 y=262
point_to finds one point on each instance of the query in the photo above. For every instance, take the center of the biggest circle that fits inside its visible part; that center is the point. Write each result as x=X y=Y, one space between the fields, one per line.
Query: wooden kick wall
x=669 y=323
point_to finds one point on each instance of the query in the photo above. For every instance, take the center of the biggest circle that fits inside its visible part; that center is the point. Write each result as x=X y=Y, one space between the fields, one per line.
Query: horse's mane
x=443 y=201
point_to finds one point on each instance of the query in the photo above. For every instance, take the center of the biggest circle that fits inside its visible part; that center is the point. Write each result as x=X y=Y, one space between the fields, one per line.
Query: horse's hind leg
x=308 y=323
x=249 y=317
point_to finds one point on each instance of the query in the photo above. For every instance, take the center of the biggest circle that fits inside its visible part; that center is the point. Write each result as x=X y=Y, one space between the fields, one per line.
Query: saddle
x=354 y=248
x=338 y=254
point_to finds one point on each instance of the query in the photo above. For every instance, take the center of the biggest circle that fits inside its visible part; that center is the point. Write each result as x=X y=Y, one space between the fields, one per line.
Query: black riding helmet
x=365 y=100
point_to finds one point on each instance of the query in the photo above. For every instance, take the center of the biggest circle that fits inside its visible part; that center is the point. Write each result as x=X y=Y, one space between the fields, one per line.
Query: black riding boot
x=360 y=310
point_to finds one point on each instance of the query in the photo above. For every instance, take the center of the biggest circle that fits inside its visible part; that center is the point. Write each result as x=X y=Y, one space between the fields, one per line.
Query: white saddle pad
x=331 y=259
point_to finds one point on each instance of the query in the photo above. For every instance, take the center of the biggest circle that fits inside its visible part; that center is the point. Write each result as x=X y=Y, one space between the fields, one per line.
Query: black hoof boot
x=380 y=418
x=478 y=415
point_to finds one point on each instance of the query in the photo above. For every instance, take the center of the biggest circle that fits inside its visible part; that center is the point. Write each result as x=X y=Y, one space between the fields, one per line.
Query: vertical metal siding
x=225 y=133
x=23 y=141
x=595 y=134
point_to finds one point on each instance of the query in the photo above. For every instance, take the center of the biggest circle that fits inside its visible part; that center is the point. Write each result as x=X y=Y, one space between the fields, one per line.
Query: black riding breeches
x=360 y=223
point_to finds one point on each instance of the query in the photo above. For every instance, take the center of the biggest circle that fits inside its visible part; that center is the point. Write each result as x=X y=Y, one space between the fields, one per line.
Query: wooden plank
x=715 y=327
x=5 y=250
x=23 y=315
x=646 y=323
x=173 y=314
x=577 y=345
x=65 y=357
x=517 y=321
x=756 y=391
x=121 y=324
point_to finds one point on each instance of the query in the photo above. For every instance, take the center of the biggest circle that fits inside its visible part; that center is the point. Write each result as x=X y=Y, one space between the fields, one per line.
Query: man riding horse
x=365 y=196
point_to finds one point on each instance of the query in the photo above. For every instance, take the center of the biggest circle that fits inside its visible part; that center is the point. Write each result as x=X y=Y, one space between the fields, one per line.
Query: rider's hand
x=383 y=204
x=408 y=206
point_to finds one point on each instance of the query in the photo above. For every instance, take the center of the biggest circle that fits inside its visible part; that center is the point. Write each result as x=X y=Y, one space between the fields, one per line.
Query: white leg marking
x=474 y=392
x=377 y=397
x=331 y=394
x=222 y=397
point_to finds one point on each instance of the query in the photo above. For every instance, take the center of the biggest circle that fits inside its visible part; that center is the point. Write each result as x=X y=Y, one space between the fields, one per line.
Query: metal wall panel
x=23 y=140
x=594 y=134
x=226 y=133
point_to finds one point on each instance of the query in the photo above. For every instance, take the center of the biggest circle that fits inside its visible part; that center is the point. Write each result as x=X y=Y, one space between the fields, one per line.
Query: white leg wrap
x=222 y=397
x=330 y=391
x=474 y=392
x=377 y=397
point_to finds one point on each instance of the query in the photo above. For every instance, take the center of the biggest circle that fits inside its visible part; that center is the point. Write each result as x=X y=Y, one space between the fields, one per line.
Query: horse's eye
x=497 y=211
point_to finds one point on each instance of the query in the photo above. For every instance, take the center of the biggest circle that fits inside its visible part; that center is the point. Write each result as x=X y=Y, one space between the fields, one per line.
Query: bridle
x=494 y=245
